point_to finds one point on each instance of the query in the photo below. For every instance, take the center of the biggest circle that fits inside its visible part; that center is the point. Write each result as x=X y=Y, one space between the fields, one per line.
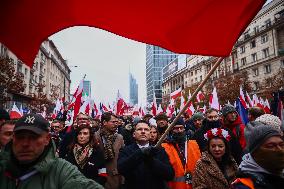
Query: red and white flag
x=242 y=98
x=249 y=100
x=190 y=110
x=176 y=93
x=266 y=107
x=120 y=104
x=200 y=96
x=154 y=106
x=15 y=112
x=213 y=101
x=255 y=100
x=184 y=31
x=160 y=110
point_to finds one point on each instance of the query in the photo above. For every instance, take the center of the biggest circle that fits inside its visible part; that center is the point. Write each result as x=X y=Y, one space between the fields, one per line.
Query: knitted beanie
x=228 y=109
x=271 y=120
x=256 y=134
x=197 y=115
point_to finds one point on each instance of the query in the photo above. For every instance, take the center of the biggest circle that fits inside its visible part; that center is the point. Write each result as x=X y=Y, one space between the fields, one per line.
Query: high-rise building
x=87 y=88
x=133 y=90
x=156 y=59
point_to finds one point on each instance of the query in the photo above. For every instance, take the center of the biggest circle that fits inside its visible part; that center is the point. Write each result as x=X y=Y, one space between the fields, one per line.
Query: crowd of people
x=202 y=151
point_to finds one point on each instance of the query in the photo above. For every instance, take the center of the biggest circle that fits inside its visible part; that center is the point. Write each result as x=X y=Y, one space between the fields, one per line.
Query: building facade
x=49 y=70
x=133 y=90
x=156 y=59
x=259 y=51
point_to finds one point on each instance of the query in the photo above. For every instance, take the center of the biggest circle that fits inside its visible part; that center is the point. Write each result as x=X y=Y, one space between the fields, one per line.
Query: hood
x=249 y=165
x=42 y=165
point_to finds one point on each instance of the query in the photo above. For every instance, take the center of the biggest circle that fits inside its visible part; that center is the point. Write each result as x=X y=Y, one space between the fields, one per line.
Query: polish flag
x=255 y=100
x=182 y=101
x=200 y=96
x=176 y=93
x=213 y=101
x=86 y=107
x=160 y=110
x=120 y=103
x=135 y=110
x=266 y=107
x=249 y=100
x=141 y=112
x=154 y=106
x=77 y=98
x=242 y=98
x=190 y=110
x=15 y=112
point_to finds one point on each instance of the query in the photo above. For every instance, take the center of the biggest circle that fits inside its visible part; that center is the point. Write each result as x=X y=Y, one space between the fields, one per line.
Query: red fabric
x=232 y=127
x=205 y=27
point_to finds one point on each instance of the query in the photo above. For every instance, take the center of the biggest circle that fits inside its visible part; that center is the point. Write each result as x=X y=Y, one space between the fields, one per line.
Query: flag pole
x=220 y=59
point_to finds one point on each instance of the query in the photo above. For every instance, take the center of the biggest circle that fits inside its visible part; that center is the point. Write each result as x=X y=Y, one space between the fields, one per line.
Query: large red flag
x=205 y=27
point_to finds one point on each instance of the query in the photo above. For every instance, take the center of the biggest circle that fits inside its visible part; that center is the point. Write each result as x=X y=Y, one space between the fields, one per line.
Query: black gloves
x=148 y=152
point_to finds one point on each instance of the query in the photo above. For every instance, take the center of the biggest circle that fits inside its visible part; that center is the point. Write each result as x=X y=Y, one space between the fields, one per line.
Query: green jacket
x=49 y=173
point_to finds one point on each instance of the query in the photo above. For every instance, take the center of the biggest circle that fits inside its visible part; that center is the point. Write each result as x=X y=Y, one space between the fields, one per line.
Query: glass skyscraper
x=87 y=88
x=156 y=59
x=133 y=90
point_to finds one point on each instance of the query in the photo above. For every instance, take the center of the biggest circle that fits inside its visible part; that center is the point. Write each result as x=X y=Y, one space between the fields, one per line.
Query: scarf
x=82 y=154
x=108 y=141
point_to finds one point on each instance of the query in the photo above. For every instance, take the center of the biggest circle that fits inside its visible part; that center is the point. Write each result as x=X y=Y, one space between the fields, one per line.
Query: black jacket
x=90 y=170
x=261 y=181
x=142 y=171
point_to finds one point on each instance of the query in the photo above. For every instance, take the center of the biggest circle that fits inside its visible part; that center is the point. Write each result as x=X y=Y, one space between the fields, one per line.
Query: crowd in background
x=202 y=151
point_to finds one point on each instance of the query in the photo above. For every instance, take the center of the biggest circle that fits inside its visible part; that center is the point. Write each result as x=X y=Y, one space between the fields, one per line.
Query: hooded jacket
x=255 y=176
x=48 y=172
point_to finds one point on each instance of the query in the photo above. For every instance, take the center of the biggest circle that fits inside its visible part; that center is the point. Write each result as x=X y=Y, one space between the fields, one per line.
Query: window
x=267 y=68
x=254 y=57
x=265 y=52
x=201 y=78
x=196 y=79
x=252 y=44
x=191 y=73
x=26 y=71
x=255 y=71
x=242 y=49
x=267 y=23
x=195 y=72
x=243 y=61
x=255 y=85
x=264 y=38
x=282 y=63
x=256 y=29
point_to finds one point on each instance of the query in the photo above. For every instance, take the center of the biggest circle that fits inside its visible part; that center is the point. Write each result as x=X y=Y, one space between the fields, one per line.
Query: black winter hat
x=180 y=122
x=4 y=115
x=228 y=109
x=32 y=122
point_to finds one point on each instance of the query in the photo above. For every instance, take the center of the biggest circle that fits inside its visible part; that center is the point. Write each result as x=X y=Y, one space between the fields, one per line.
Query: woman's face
x=83 y=136
x=153 y=134
x=217 y=148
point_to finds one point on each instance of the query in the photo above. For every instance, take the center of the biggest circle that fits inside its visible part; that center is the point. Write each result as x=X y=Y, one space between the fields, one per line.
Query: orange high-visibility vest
x=193 y=154
x=245 y=181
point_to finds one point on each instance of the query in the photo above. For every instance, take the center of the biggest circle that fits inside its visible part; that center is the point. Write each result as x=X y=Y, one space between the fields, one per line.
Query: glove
x=148 y=151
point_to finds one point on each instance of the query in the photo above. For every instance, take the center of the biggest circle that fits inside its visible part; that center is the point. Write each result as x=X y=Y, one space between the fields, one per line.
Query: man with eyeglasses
x=110 y=142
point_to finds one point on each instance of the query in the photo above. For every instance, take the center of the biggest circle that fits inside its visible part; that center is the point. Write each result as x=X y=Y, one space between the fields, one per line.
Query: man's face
x=273 y=143
x=82 y=119
x=56 y=126
x=112 y=124
x=6 y=133
x=212 y=116
x=162 y=123
x=28 y=146
x=178 y=129
x=197 y=123
x=142 y=133
x=232 y=116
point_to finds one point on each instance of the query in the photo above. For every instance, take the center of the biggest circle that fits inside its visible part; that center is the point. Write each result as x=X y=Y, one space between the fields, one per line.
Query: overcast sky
x=105 y=58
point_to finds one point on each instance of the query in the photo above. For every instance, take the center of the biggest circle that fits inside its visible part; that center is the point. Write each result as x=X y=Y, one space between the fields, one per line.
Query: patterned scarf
x=108 y=141
x=82 y=154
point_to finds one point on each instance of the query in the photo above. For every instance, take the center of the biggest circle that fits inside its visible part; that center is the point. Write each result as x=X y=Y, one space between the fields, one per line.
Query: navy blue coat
x=144 y=172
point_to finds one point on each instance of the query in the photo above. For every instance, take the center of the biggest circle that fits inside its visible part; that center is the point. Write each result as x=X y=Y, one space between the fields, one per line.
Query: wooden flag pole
x=189 y=100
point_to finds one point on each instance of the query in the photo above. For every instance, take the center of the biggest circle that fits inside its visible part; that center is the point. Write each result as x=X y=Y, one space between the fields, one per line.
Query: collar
x=145 y=146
